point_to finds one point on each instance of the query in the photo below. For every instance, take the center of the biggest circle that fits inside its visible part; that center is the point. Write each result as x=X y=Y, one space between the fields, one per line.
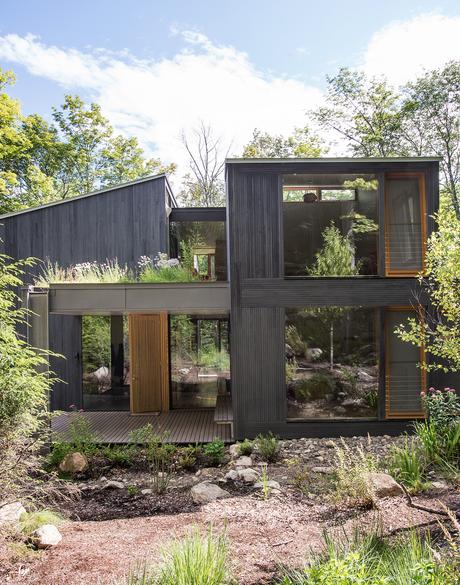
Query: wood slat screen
x=404 y=379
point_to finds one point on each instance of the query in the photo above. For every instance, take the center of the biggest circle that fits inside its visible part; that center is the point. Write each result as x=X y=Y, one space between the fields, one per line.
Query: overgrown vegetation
x=351 y=469
x=268 y=447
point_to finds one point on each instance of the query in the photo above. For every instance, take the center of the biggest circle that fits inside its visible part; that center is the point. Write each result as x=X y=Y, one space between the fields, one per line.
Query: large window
x=332 y=363
x=105 y=363
x=200 y=361
x=405 y=233
x=330 y=225
x=201 y=245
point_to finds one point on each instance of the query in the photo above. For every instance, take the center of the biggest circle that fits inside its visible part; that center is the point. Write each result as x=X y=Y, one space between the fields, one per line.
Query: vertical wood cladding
x=123 y=223
x=259 y=292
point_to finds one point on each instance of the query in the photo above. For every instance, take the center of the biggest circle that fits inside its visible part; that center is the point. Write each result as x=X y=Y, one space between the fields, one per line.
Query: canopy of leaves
x=301 y=144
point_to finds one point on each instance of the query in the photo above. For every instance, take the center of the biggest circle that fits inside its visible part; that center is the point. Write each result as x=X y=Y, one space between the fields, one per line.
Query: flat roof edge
x=90 y=194
x=333 y=160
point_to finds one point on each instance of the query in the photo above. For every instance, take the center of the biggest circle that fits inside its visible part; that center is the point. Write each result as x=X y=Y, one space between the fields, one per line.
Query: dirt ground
x=263 y=534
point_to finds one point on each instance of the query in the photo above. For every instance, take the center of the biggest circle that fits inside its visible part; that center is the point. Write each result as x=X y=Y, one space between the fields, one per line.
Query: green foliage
x=245 y=447
x=370 y=560
x=214 y=451
x=25 y=382
x=315 y=387
x=95 y=342
x=291 y=367
x=213 y=358
x=31 y=521
x=268 y=447
x=293 y=338
x=189 y=456
x=408 y=465
x=351 y=469
x=193 y=560
x=58 y=452
x=301 y=144
x=336 y=257
x=119 y=455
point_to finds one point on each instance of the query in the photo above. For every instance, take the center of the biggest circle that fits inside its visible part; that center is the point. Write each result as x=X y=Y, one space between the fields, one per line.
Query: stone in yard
x=146 y=492
x=114 y=485
x=234 y=451
x=205 y=492
x=243 y=461
x=440 y=485
x=271 y=483
x=46 y=536
x=74 y=463
x=232 y=475
x=248 y=475
x=383 y=485
x=326 y=470
x=329 y=444
x=11 y=512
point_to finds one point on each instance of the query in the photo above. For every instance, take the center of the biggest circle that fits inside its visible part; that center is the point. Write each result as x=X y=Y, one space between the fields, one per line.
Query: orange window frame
x=422 y=194
x=423 y=373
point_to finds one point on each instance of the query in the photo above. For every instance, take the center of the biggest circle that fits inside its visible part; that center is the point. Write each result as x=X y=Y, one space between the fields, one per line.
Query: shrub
x=370 y=560
x=245 y=447
x=351 y=469
x=214 y=452
x=407 y=465
x=119 y=455
x=317 y=386
x=58 y=452
x=189 y=456
x=295 y=341
x=30 y=521
x=268 y=447
x=442 y=407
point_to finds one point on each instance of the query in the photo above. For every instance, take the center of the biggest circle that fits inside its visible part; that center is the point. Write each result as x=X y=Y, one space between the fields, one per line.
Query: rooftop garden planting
x=159 y=269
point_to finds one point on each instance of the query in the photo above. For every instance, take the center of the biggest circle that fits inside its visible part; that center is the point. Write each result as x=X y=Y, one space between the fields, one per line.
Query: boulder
x=313 y=353
x=383 y=485
x=205 y=492
x=232 y=475
x=234 y=451
x=46 y=536
x=114 y=485
x=11 y=512
x=74 y=463
x=248 y=475
x=243 y=461
x=146 y=492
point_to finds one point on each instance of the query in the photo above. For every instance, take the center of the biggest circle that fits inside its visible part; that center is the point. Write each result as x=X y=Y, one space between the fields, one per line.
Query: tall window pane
x=404 y=231
x=332 y=368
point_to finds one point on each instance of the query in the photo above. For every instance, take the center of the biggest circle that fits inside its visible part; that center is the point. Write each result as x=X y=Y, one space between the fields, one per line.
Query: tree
x=24 y=382
x=436 y=328
x=301 y=144
x=335 y=258
x=364 y=112
x=204 y=185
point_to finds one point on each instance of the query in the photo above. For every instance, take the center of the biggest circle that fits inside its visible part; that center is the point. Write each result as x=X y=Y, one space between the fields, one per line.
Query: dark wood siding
x=260 y=294
x=123 y=223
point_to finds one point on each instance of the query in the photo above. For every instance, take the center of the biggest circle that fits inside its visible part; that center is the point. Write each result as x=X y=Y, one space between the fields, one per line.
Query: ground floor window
x=105 y=363
x=200 y=362
x=332 y=363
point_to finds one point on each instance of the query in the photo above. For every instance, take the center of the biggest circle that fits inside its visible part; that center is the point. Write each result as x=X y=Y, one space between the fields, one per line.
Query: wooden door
x=148 y=345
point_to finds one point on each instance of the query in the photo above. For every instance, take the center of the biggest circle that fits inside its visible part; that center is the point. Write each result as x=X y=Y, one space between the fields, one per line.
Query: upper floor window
x=404 y=225
x=330 y=224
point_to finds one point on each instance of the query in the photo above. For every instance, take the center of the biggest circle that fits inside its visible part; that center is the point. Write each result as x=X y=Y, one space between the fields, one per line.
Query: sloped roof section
x=93 y=193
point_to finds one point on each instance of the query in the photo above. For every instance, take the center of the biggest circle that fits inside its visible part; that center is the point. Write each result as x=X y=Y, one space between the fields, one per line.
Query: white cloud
x=156 y=99
x=403 y=49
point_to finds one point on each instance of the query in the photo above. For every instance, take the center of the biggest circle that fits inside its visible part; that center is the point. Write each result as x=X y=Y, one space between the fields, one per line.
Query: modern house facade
x=288 y=325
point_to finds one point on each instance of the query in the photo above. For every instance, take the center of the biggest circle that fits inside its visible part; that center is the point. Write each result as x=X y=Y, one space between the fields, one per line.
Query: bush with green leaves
x=245 y=447
x=214 y=452
x=371 y=560
x=189 y=456
x=315 y=387
x=268 y=447
x=25 y=383
x=408 y=465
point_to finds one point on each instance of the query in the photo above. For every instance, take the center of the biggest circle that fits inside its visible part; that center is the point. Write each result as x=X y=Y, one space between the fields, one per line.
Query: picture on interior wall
x=332 y=363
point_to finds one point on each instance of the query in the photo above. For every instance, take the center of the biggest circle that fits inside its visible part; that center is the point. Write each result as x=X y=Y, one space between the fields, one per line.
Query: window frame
x=394 y=272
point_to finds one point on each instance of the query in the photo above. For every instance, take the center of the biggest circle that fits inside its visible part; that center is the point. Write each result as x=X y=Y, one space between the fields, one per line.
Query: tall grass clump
x=193 y=560
x=370 y=560
x=352 y=467
x=85 y=272
x=408 y=465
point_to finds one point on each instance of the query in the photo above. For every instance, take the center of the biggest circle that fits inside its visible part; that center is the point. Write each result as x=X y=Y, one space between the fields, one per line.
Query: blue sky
x=157 y=68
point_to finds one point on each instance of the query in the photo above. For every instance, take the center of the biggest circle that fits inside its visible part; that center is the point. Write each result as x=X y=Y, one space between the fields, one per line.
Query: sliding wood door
x=148 y=343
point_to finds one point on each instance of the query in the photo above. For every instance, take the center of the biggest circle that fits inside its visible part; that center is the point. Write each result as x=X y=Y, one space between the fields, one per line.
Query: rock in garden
x=440 y=485
x=11 y=512
x=74 y=463
x=383 y=485
x=325 y=470
x=271 y=483
x=46 y=536
x=232 y=475
x=205 y=492
x=114 y=485
x=234 y=451
x=243 y=461
x=146 y=492
x=330 y=444
x=248 y=475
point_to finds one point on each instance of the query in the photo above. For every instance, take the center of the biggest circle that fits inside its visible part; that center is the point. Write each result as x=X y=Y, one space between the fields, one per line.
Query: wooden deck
x=178 y=426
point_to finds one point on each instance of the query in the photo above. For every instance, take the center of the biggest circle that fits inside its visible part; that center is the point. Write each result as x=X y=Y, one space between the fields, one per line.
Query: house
x=288 y=324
